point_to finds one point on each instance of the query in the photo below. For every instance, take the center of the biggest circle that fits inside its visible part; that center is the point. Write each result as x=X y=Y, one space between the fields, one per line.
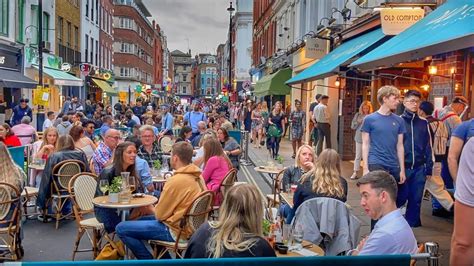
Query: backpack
x=440 y=137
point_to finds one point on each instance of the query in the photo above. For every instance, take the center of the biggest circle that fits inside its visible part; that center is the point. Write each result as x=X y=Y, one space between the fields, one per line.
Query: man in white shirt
x=49 y=120
x=321 y=116
x=391 y=234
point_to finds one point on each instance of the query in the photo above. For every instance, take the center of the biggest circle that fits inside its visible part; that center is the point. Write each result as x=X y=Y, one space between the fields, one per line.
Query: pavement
x=42 y=242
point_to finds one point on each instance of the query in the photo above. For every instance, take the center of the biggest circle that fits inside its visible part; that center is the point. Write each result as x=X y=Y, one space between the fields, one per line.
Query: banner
x=41 y=96
x=396 y=20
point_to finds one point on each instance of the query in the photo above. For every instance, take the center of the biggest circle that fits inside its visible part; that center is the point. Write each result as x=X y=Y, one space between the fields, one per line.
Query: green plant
x=266 y=226
x=116 y=185
x=157 y=164
x=279 y=159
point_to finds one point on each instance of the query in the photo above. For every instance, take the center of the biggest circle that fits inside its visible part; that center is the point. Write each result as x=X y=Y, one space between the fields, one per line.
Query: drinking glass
x=297 y=238
x=103 y=185
x=132 y=183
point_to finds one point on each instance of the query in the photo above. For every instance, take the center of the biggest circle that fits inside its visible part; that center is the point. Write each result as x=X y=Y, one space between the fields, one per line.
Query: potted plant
x=114 y=189
x=280 y=160
x=156 y=171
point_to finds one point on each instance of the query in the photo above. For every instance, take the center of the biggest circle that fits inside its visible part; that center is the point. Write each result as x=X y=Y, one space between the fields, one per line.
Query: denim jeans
x=133 y=233
x=109 y=217
x=412 y=191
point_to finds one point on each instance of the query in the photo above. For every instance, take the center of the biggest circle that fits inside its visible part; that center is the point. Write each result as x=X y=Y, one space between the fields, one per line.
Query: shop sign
x=9 y=60
x=66 y=67
x=49 y=60
x=396 y=20
x=316 y=48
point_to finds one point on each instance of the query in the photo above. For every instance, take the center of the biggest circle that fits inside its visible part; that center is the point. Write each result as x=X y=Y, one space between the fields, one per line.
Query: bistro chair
x=62 y=174
x=10 y=221
x=227 y=182
x=82 y=188
x=196 y=214
x=273 y=200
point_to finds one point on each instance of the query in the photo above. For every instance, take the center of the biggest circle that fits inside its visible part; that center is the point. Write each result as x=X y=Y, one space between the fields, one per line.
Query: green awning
x=274 y=84
x=105 y=87
x=62 y=78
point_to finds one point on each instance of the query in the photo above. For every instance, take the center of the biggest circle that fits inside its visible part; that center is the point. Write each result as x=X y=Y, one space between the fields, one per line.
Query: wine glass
x=103 y=185
x=297 y=238
x=132 y=183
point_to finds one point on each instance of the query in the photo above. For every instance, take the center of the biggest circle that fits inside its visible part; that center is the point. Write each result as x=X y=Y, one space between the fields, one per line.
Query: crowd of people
x=400 y=155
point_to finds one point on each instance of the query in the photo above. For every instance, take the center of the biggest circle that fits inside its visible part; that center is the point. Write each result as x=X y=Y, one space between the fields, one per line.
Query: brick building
x=106 y=38
x=133 y=49
x=157 y=56
x=264 y=30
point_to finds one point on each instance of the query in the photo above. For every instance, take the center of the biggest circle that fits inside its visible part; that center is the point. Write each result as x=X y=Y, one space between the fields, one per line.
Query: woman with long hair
x=42 y=149
x=257 y=125
x=276 y=127
x=324 y=181
x=304 y=163
x=185 y=134
x=364 y=110
x=230 y=145
x=237 y=233
x=82 y=142
x=124 y=161
x=12 y=174
x=265 y=114
x=298 y=119
x=8 y=137
x=216 y=166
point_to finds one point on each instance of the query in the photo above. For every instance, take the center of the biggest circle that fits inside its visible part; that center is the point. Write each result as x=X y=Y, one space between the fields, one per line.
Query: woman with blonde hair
x=304 y=163
x=42 y=149
x=238 y=232
x=364 y=110
x=324 y=181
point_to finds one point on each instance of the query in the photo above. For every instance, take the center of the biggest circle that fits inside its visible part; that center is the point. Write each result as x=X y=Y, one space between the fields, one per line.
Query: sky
x=204 y=23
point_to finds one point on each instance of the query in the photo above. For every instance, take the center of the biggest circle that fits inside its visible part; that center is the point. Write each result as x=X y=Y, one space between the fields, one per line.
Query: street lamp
x=330 y=22
x=231 y=10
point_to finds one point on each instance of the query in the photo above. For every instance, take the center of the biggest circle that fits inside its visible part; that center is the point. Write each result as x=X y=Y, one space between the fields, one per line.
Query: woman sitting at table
x=82 y=142
x=231 y=147
x=184 y=134
x=124 y=161
x=65 y=150
x=237 y=233
x=12 y=174
x=304 y=162
x=198 y=158
x=42 y=149
x=216 y=166
x=8 y=137
x=324 y=181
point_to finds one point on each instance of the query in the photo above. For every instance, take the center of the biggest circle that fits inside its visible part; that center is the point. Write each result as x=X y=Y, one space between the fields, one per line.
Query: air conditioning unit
x=47 y=46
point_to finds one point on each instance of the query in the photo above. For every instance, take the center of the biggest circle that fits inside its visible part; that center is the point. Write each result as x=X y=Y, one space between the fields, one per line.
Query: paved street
x=42 y=242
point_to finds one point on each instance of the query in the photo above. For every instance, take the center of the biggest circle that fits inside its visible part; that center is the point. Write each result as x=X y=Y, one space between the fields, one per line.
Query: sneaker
x=442 y=213
x=354 y=176
x=41 y=218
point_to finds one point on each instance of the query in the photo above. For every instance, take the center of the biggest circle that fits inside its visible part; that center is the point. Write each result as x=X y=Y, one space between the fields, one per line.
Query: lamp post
x=231 y=10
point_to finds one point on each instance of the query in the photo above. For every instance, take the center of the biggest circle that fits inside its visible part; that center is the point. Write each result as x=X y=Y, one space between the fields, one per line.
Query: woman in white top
x=81 y=142
x=41 y=150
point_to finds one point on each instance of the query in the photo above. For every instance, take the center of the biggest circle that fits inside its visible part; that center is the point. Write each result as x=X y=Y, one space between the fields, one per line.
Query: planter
x=113 y=197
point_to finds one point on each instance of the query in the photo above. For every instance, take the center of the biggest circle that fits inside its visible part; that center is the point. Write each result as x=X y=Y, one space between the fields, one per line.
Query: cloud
x=204 y=23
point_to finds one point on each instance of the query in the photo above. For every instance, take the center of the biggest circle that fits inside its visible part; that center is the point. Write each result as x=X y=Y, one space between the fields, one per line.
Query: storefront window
x=20 y=31
x=45 y=26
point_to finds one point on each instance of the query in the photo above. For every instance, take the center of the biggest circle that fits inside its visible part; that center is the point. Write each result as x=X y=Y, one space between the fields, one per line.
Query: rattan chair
x=196 y=214
x=273 y=200
x=227 y=182
x=10 y=217
x=62 y=174
x=82 y=188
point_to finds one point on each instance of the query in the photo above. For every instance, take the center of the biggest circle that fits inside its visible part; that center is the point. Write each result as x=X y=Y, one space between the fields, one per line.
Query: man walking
x=418 y=158
x=20 y=111
x=321 y=116
x=193 y=118
x=312 y=127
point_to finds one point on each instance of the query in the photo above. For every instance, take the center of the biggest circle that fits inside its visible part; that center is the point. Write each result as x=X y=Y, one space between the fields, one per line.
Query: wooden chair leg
x=80 y=233
x=95 y=242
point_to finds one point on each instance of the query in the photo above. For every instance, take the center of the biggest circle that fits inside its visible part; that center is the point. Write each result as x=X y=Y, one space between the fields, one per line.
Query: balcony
x=69 y=55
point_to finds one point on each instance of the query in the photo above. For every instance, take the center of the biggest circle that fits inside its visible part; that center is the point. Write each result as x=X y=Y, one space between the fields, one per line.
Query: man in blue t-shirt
x=382 y=136
x=192 y=119
x=459 y=137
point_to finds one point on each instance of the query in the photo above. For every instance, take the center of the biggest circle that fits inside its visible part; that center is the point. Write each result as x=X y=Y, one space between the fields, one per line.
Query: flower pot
x=113 y=197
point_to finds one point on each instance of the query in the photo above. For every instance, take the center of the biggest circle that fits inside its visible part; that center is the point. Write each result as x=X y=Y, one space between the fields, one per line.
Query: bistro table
x=271 y=171
x=288 y=198
x=308 y=250
x=124 y=208
x=39 y=167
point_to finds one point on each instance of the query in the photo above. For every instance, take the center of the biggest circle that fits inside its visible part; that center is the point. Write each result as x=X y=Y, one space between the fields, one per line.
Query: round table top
x=307 y=246
x=158 y=179
x=103 y=201
x=36 y=166
x=268 y=170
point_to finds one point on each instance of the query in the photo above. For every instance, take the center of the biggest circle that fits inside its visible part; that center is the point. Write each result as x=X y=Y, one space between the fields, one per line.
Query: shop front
x=12 y=80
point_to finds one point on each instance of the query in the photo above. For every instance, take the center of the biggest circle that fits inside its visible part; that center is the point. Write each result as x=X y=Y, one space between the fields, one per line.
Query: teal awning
x=329 y=64
x=448 y=28
x=273 y=84
x=61 y=78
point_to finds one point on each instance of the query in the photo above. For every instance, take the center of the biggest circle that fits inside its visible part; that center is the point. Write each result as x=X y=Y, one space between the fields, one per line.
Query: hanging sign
x=316 y=48
x=396 y=20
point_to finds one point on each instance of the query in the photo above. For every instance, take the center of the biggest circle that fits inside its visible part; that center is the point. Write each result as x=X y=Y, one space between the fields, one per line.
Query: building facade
x=206 y=75
x=157 y=57
x=182 y=68
x=242 y=45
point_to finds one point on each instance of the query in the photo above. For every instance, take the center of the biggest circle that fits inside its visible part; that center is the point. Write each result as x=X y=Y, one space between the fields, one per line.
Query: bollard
x=433 y=249
x=244 y=144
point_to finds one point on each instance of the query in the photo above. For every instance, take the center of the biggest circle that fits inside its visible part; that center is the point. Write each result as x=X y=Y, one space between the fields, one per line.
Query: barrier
x=235 y=134
x=18 y=155
x=244 y=146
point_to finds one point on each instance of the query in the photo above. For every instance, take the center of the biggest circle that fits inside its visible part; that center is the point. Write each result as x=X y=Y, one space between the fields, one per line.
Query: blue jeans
x=109 y=217
x=133 y=233
x=412 y=191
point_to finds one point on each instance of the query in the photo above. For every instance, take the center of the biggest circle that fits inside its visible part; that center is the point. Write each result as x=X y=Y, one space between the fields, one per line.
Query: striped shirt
x=101 y=156
x=321 y=113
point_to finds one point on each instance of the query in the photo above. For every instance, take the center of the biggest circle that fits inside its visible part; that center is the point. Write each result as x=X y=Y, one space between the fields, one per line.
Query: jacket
x=417 y=142
x=292 y=175
x=178 y=194
x=332 y=218
x=44 y=192
x=449 y=117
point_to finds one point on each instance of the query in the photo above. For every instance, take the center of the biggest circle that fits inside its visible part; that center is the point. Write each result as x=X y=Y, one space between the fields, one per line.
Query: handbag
x=112 y=251
x=273 y=131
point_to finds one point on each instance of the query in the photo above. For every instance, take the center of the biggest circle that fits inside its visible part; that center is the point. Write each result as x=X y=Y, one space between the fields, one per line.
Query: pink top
x=215 y=170
x=24 y=132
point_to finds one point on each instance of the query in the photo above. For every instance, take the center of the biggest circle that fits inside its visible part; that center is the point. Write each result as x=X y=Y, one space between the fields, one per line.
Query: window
x=92 y=10
x=127 y=23
x=4 y=17
x=184 y=77
x=76 y=38
x=97 y=52
x=92 y=51
x=60 y=29
x=125 y=72
x=20 y=25
x=69 y=34
x=97 y=10
x=45 y=26
x=208 y=81
x=86 y=54
x=87 y=8
x=184 y=90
